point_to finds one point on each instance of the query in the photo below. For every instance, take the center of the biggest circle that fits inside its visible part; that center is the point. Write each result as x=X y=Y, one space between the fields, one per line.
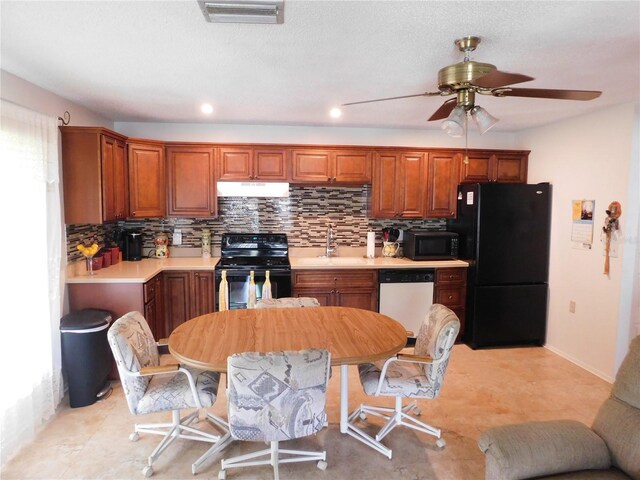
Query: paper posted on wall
x=582 y=224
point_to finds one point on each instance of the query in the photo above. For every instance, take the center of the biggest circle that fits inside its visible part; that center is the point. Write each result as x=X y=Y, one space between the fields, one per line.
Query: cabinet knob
x=251 y=177
x=197 y=274
x=450 y=297
x=450 y=277
x=334 y=179
x=328 y=179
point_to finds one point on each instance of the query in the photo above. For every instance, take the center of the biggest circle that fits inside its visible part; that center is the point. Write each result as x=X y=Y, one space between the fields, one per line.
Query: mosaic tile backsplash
x=303 y=216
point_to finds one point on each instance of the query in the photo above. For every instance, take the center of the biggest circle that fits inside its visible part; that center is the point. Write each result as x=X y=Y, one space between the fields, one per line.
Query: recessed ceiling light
x=206 y=108
x=335 y=112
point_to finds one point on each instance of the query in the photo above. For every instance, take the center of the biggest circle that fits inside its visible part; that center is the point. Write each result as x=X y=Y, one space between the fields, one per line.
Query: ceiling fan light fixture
x=456 y=123
x=484 y=120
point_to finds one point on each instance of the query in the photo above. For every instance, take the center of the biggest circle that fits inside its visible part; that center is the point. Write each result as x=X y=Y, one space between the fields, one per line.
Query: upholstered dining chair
x=417 y=375
x=273 y=397
x=150 y=387
x=287 y=302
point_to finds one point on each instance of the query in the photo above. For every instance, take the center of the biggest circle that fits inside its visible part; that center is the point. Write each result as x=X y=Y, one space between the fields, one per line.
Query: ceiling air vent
x=243 y=11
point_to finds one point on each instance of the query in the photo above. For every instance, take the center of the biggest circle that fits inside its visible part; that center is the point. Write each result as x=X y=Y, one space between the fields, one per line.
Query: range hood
x=253 y=189
x=243 y=11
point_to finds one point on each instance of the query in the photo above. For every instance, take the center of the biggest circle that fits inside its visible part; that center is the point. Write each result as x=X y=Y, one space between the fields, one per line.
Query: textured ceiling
x=158 y=61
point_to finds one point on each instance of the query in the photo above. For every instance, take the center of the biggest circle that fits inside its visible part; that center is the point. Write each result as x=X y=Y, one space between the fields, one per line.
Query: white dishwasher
x=406 y=295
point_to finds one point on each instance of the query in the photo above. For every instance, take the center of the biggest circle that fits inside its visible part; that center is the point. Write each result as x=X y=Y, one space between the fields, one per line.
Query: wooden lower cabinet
x=154 y=306
x=187 y=294
x=338 y=288
x=451 y=291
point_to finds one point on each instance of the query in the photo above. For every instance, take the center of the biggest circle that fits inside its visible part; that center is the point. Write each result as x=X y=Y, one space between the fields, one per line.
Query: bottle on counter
x=206 y=243
x=266 y=286
x=223 y=290
x=251 y=303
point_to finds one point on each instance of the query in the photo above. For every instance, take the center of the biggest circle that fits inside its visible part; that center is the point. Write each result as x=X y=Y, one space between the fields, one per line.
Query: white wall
x=28 y=95
x=589 y=157
x=203 y=132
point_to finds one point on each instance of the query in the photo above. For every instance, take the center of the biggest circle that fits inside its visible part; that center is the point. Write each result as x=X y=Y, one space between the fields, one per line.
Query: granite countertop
x=145 y=269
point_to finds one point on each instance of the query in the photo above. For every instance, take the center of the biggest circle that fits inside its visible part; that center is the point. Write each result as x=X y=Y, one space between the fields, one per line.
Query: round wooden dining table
x=352 y=336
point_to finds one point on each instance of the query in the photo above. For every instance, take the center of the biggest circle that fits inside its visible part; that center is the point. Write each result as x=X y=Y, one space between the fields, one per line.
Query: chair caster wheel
x=147 y=471
x=441 y=443
x=322 y=465
x=417 y=411
x=222 y=475
x=134 y=437
x=363 y=416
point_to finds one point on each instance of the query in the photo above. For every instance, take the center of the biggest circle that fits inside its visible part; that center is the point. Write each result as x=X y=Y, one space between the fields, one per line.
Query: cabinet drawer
x=335 y=278
x=451 y=275
x=450 y=296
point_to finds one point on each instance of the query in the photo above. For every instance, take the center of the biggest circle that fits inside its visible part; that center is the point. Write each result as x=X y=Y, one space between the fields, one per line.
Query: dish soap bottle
x=266 y=286
x=223 y=290
x=251 y=303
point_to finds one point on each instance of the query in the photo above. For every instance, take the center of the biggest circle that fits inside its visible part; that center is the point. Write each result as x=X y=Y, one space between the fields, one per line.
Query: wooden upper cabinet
x=399 y=185
x=191 y=181
x=442 y=187
x=94 y=169
x=147 y=186
x=495 y=166
x=319 y=166
x=253 y=163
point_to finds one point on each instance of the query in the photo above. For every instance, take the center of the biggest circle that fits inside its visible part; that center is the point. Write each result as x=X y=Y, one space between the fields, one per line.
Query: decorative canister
x=206 y=243
x=390 y=249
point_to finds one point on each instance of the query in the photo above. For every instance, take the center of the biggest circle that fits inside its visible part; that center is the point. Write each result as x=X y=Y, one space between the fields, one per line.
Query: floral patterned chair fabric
x=276 y=396
x=150 y=387
x=435 y=339
x=417 y=375
x=287 y=302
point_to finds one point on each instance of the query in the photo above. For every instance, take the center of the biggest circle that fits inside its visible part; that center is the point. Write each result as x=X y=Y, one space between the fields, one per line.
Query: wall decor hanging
x=611 y=230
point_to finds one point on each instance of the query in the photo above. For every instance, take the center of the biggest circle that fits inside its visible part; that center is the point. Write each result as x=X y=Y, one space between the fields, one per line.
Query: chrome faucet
x=331 y=236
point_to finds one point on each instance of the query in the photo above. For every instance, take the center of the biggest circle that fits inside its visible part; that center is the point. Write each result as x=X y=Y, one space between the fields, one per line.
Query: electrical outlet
x=572 y=306
x=177 y=237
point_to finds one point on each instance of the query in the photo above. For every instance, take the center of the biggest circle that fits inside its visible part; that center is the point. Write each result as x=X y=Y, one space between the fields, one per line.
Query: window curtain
x=31 y=240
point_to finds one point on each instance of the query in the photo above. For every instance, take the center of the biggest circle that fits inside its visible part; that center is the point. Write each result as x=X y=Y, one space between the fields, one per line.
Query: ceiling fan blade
x=549 y=93
x=425 y=94
x=497 y=79
x=444 y=110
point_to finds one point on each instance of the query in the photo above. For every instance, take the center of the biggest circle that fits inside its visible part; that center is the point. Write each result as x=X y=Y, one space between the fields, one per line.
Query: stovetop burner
x=254 y=251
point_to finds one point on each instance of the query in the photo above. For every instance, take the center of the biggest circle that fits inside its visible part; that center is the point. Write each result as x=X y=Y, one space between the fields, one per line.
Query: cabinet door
x=108 y=178
x=270 y=164
x=478 y=169
x=191 y=178
x=411 y=188
x=203 y=300
x=364 y=299
x=385 y=173
x=510 y=168
x=352 y=166
x=147 y=192
x=311 y=166
x=236 y=164
x=443 y=184
x=177 y=288
x=324 y=296
x=120 y=181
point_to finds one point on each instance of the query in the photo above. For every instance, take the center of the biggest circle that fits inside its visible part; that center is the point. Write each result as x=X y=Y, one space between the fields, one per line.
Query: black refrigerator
x=504 y=234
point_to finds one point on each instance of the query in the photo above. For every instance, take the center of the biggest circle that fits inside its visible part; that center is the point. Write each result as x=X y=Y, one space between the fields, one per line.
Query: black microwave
x=427 y=245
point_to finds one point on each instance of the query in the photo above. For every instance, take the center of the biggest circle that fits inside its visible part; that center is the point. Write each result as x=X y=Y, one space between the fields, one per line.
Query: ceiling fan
x=468 y=78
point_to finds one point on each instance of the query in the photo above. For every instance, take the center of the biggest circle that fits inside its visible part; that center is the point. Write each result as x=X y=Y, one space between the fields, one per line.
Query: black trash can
x=86 y=356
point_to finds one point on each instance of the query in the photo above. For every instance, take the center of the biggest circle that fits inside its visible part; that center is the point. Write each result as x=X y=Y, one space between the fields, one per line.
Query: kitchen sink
x=330 y=261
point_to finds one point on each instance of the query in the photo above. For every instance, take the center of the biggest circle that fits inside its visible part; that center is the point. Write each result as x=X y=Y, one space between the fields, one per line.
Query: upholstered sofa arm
x=534 y=449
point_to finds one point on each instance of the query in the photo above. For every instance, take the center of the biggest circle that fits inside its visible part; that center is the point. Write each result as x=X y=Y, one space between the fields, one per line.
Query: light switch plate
x=177 y=237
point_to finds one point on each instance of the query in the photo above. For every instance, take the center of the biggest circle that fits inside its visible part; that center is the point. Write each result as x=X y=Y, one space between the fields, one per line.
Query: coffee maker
x=132 y=246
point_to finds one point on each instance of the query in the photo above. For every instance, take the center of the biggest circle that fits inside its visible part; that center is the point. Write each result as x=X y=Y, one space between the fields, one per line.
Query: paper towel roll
x=371 y=244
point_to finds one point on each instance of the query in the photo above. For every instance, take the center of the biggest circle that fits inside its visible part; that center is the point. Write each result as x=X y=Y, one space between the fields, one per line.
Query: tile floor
x=482 y=388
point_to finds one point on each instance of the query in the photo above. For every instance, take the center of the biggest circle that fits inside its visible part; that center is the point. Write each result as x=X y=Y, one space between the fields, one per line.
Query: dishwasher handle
x=418 y=275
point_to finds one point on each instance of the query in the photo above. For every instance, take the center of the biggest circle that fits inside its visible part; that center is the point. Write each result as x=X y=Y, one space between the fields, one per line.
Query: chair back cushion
x=618 y=421
x=287 y=302
x=436 y=338
x=133 y=348
x=277 y=395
